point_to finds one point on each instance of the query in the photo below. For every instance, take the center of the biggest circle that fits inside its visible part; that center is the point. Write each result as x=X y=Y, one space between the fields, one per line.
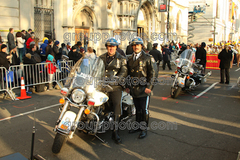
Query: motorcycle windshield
x=186 y=58
x=85 y=72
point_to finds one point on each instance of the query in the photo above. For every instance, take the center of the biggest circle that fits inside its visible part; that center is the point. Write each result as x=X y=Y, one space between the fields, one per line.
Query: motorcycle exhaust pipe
x=208 y=74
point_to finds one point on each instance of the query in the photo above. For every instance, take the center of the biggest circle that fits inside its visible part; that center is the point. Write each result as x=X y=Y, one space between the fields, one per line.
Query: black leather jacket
x=144 y=69
x=117 y=67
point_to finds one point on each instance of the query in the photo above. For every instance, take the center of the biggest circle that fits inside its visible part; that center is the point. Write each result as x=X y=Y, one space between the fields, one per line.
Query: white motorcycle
x=85 y=91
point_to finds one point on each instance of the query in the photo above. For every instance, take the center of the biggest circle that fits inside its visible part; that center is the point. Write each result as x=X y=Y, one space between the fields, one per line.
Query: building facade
x=220 y=21
x=71 y=20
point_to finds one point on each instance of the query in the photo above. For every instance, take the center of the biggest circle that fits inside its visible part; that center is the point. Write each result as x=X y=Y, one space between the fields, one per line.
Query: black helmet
x=184 y=46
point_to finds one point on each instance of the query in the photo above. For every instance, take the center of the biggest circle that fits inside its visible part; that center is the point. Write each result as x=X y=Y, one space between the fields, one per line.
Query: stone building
x=71 y=20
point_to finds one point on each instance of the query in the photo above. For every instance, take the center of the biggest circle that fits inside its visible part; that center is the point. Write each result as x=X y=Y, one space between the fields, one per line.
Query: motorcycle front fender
x=67 y=122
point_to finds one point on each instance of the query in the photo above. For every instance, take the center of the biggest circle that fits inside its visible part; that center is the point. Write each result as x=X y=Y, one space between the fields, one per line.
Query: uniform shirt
x=109 y=58
x=136 y=56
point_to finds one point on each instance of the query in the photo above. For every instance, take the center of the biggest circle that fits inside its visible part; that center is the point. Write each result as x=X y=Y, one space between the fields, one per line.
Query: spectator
x=82 y=51
x=10 y=38
x=14 y=57
x=129 y=49
x=49 y=49
x=79 y=46
x=63 y=50
x=85 y=42
x=51 y=69
x=225 y=57
x=3 y=57
x=21 y=43
x=1 y=41
x=28 y=34
x=90 y=53
x=35 y=53
x=69 y=47
x=36 y=40
x=57 y=54
x=74 y=55
x=30 y=39
x=3 y=63
x=166 y=57
x=43 y=50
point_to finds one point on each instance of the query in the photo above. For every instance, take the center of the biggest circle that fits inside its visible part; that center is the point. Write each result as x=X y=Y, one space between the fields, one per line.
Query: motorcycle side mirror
x=65 y=58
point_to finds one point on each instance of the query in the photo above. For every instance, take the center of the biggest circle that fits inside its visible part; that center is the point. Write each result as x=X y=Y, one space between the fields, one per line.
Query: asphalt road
x=206 y=127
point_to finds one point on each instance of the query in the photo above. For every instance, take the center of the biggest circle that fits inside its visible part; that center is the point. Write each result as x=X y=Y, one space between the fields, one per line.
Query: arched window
x=121 y=8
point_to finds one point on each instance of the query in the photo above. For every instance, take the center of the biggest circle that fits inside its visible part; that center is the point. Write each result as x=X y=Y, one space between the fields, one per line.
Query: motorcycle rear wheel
x=175 y=92
x=58 y=143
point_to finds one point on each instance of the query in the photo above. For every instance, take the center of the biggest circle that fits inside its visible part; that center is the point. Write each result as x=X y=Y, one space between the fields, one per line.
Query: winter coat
x=20 y=42
x=225 y=59
x=50 y=67
x=28 y=42
x=166 y=54
x=43 y=47
x=11 y=43
x=57 y=54
x=156 y=55
x=201 y=54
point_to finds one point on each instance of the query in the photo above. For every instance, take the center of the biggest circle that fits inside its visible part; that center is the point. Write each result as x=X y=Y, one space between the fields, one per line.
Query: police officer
x=143 y=67
x=115 y=66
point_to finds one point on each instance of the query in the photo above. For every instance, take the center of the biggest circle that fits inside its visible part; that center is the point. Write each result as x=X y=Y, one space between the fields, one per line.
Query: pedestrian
x=129 y=49
x=36 y=40
x=20 y=47
x=166 y=58
x=225 y=57
x=79 y=46
x=142 y=66
x=36 y=54
x=156 y=55
x=10 y=38
x=115 y=66
x=201 y=54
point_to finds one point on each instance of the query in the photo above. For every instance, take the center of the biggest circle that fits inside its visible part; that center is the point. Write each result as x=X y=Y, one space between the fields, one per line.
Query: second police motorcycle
x=188 y=75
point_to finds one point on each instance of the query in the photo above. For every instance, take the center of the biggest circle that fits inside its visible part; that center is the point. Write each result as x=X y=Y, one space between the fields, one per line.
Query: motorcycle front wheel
x=175 y=92
x=58 y=143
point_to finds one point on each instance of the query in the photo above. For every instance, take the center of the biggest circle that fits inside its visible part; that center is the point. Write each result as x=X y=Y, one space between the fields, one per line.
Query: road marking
x=237 y=69
x=199 y=95
x=22 y=114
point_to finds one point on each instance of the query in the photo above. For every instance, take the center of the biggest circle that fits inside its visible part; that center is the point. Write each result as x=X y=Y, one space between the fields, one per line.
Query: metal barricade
x=5 y=82
x=33 y=74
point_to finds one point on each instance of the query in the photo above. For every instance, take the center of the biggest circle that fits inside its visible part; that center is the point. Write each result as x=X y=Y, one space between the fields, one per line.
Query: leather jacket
x=116 y=68
x=144 y=69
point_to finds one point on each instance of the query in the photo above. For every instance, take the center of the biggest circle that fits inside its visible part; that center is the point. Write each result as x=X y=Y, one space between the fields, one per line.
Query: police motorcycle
x=188 y=75
x=85 y=90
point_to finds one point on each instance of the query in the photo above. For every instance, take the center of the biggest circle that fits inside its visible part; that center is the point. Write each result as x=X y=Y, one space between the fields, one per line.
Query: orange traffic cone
x=23 y=91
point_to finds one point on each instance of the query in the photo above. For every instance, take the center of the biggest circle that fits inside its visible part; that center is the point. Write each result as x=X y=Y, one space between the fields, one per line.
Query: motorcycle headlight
x=78 y=96
x=184 y=69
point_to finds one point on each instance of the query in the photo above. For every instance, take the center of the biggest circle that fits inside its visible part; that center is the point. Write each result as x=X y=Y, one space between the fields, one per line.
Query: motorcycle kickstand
x=100 y=139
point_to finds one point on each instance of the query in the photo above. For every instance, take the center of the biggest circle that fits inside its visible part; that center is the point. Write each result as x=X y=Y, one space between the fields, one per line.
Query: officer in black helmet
x=115 y=66
x=143 y=67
